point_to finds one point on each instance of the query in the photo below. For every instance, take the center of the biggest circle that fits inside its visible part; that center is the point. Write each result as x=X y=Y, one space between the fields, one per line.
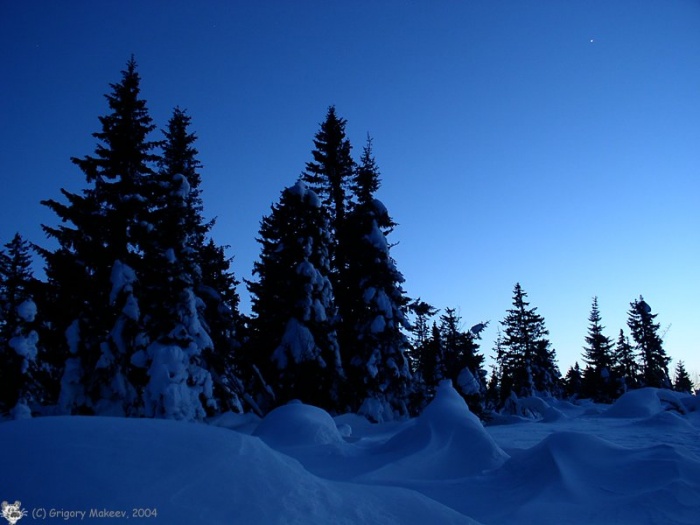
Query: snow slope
x=637 y=462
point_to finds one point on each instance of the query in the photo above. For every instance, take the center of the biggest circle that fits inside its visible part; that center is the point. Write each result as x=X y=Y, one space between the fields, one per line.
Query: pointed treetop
x=332 y=169
x=179 y=154
x=367 y=180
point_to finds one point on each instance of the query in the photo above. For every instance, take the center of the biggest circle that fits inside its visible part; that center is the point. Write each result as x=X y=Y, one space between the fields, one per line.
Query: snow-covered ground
x=637 y=462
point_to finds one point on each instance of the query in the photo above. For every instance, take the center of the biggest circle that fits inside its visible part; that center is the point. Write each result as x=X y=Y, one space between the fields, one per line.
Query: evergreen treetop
x=366 y=179
x=597 y=353
x=528 y=364
x=123 y=162
x=331 y=173
x=598 y=381
x=649 y=344
x=681 y=379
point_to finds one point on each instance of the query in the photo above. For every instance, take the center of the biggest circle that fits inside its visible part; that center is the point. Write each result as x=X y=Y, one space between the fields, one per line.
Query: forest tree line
x=138 y=314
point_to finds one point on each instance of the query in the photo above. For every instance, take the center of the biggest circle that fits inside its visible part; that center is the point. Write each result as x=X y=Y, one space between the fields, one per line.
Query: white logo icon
x=13 y=512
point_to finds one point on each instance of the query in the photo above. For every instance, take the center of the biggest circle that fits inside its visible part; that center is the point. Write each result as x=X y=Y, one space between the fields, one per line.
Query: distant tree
x=648 y=345
x=625 y=365
x=681 y=380
x=573 y=381
x=431 y=360
x=92 y=274
x=460 y=360
x=20 y=389
x=495 y=384
x=452 y=353
x=528 y=363
x=293 y=340
x=421 y=331
x=421 y=326
x=493 y=389
x=598 y=382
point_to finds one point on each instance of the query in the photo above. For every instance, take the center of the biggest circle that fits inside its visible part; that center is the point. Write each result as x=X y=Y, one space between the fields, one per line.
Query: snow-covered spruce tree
x=93 y=272
x=177 y=384
x=374 y=308
x=681 y=379
x=197 y=268
x=20 y=388
x=625 y=365
x=528 y=364
x=598 y=381
x=649 y=345
x=293 y=340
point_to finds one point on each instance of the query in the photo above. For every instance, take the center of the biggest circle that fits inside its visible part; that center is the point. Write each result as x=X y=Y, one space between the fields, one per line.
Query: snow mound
x=189 y=473
x=658 y=484
x=446 y=441
x=646 y=402
x=532 y=408
x=298 y=425
x=665 y=421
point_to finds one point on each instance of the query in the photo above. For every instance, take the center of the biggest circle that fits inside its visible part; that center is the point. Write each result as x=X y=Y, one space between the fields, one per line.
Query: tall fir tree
x=528 y=363
x=598 y=381
x=649 y=344
x=178 y=384
x=20 y=386
x=331 y=175
x=171 y=256
x=373 y=306
x=205 y=268
x=92 y=273
x=293 y=341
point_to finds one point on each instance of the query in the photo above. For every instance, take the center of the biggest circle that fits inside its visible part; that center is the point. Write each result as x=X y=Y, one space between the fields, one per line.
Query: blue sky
x=551 y=143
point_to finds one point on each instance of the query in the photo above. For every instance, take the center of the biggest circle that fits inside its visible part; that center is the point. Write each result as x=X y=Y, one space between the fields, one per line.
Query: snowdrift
x=190 y=473
x=528 y=408
x=299 y=465
x=647 y=402
x=446 y=441
x=298 y=425
x=659 y=484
